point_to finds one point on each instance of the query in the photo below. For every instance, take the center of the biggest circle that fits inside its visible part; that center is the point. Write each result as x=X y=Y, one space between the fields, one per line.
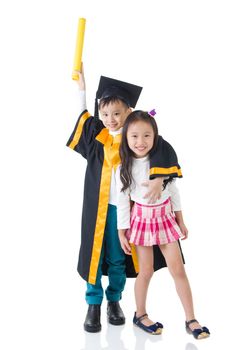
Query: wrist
x=179 y=219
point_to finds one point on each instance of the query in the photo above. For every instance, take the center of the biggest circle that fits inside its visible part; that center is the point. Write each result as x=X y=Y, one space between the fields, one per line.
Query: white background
x=186 y=56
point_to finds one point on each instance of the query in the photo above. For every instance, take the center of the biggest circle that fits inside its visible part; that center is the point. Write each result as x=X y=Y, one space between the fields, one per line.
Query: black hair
x=126 y=154
x=111 y=99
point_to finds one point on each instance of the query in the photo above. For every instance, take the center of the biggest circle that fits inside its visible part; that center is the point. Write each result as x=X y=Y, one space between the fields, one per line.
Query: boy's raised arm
x=85 y=130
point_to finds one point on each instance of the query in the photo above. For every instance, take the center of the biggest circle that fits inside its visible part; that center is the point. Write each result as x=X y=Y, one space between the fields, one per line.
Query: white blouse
x=136 y=192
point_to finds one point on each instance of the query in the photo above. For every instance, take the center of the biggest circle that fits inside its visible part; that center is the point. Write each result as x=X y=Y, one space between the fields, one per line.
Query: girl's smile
x=140 y=138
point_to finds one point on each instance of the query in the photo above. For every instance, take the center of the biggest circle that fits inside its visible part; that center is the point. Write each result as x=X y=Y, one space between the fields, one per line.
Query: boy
x=100 y=252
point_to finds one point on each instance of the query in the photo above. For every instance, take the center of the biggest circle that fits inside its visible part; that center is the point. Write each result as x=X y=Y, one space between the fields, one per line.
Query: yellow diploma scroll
x=77 y=66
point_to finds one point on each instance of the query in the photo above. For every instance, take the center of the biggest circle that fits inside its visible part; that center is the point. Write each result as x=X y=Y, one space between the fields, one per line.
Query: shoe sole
x=116 y=323
x=159 y=332
x=92 y=329
x=202 y=335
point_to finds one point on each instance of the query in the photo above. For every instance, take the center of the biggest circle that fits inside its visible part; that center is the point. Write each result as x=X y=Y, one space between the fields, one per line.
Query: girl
x=161 y=224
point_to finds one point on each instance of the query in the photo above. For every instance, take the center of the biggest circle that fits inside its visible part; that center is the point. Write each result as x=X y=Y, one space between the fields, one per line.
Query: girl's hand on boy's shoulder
x=154 y=189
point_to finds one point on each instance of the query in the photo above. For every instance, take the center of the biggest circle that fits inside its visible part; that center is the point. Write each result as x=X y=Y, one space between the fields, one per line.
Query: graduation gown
x=92 y=140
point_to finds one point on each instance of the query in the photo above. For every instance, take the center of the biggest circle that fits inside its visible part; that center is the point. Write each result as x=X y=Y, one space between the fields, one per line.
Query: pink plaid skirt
x=153 y=225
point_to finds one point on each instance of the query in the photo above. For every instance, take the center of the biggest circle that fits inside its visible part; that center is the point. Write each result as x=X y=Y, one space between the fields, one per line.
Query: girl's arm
x=180 y=222
x=123 y=213
x=124 y=241
x=176 y=206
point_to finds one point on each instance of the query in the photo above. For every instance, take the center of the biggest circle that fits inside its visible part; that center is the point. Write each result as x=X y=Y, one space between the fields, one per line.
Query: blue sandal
x=198 y=333
x=154 y=329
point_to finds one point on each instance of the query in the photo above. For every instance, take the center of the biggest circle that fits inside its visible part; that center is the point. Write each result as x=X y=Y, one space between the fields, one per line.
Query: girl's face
x=140 y=138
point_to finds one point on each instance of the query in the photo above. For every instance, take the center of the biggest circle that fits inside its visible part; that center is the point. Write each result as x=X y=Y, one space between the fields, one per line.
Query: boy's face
x=114 y=115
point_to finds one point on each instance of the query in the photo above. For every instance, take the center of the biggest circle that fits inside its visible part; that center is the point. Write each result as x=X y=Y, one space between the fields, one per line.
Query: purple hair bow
x=152 y=113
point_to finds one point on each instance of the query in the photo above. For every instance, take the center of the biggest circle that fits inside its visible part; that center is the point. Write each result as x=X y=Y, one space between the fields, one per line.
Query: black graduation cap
x=109 y=87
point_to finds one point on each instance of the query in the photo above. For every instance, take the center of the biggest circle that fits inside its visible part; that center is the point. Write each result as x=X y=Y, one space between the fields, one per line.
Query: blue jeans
x=115 y=259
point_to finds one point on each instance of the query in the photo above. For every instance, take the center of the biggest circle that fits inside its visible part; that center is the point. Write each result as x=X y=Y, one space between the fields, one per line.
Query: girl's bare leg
x=145 y=260
x=175 y=265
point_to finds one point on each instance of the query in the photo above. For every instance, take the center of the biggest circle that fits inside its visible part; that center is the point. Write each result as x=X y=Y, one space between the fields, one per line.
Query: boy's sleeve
x=84 y=133
x=163 y=160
